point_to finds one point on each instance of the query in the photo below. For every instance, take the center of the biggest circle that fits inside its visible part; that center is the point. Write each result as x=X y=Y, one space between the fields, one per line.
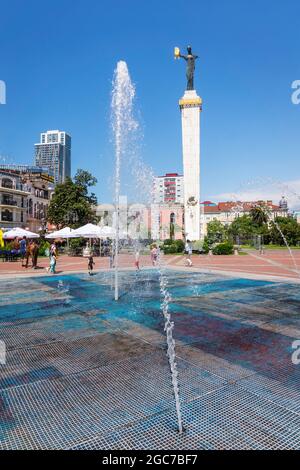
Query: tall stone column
x=191 y=105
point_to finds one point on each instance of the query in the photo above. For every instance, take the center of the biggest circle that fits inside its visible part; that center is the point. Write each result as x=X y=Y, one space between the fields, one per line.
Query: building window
x=7 y=199
x=30 y=207
x=7 y=183
x=7 y=216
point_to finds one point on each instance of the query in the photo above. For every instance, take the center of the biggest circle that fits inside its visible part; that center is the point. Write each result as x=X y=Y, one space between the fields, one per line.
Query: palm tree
x=259 y=215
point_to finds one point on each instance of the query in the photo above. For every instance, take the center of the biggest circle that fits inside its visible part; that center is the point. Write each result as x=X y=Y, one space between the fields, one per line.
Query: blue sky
x=58 y=57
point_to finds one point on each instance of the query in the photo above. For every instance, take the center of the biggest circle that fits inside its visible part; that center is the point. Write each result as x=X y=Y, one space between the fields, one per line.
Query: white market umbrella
x=19 y=232
x=65 y=232
x=87 y=231
x=110 y=232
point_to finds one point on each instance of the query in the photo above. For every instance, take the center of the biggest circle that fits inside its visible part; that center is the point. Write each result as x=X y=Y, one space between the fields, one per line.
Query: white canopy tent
x=94 y=231
x=65 y=232
x=110 y=232
x=87 y=231
x=19 y=232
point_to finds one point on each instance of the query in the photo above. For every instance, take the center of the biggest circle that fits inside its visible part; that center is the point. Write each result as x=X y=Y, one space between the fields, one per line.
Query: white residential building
x=13 y=201
x=168 y=189
x=226 y=212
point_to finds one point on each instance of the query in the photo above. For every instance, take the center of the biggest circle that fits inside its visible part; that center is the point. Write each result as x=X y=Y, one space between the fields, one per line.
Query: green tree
x=216 y=232
x=242 y=227
x=71 y=203
x=259 y=215
x=289 y=228
x=85 y=180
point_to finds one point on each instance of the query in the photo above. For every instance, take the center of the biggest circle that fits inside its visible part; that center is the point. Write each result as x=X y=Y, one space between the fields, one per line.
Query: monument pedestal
x=191 y=105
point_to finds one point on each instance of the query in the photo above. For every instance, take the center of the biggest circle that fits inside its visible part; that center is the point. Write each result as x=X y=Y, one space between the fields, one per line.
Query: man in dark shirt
x=23 y=249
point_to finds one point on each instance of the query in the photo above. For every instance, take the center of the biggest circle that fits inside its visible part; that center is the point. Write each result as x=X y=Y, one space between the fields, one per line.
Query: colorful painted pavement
x=85 y=372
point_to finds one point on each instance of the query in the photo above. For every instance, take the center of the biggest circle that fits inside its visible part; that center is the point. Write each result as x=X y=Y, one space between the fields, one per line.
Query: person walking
x=91 y=265
x=53 y=258
x=23 y=248
x=16 y=244
x=34 y=254
x=28 y=253
x=112 y=256
x=188 y=251
x=154 y=255
x=137 y=259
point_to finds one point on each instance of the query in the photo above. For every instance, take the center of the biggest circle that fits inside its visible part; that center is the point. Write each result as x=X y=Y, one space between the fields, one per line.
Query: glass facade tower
x=54 y=152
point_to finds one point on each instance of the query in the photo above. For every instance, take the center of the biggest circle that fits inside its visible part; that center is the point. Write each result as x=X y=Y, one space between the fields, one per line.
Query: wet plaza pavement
x=85 y=372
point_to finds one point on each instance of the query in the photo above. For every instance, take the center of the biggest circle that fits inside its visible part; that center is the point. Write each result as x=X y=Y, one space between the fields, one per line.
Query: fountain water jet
x=169 y=326
x=123 y=123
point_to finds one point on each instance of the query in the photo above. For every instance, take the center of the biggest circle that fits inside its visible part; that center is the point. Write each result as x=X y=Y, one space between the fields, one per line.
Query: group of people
x=27 y=249
x=154 y=253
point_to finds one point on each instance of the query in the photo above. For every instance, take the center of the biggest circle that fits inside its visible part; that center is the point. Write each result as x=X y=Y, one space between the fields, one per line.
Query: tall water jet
x=169 y=326
x=123 y=123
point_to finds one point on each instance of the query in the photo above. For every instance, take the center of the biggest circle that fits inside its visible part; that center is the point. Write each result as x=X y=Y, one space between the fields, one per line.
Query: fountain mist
x=123 y=93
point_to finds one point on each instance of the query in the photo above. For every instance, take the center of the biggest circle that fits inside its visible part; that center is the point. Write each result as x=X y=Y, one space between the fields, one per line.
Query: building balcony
x=8 y=202
x=11 y=204
x=18 y=190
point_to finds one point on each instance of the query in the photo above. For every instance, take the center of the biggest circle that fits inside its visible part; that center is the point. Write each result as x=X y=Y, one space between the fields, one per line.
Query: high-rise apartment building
x=168 y=189
x=54 y=152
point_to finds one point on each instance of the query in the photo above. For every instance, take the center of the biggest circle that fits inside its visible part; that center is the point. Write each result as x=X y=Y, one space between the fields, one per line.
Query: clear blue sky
x=58 y=57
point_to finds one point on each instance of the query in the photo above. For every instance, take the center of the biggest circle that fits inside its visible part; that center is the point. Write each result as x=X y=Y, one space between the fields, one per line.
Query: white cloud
x=264 y=189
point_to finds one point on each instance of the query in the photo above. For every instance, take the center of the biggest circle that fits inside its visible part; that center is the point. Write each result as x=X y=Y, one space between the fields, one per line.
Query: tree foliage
x=288 y=227
x=259 y=215
x=71 y=203
x=216 y=232
x=247 y=227
x=242 y=227
x=85 y=180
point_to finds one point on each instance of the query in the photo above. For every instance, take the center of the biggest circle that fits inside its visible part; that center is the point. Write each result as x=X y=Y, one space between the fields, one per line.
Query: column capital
x=190 y=99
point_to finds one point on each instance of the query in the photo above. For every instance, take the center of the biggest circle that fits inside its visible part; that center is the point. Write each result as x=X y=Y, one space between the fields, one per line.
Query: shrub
x=175 y=246
x=225 y=248
x=44 y=246
x=179 y=245
x=168 y=249
x=205 y=246
x=77 y=242
x=8 y=245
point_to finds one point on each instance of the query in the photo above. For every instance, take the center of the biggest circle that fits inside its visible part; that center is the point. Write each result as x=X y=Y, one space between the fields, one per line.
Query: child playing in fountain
x=91 y=265
x=154 y=254
x=137 y=259
x=189 y=251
